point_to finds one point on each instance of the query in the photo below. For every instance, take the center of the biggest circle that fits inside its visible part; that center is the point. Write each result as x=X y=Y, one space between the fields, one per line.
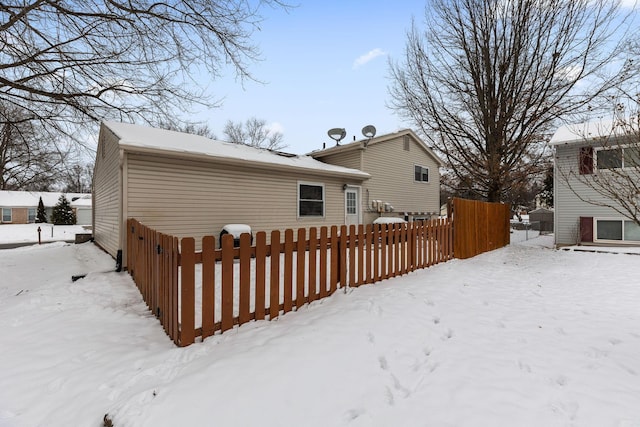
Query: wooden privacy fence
x=479 y=226
x=196 y=293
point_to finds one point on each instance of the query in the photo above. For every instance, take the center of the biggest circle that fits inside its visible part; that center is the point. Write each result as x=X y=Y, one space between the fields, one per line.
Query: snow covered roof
x=30 y=198
x=136 y=137
x=582 y=132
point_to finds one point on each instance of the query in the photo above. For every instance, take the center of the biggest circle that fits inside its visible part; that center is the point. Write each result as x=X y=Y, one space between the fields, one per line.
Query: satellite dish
x=337 y=134
x=369 y=131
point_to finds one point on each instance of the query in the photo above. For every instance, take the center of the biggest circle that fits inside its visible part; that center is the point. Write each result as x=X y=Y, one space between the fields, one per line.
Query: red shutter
x=586 y=160
x=586 y=229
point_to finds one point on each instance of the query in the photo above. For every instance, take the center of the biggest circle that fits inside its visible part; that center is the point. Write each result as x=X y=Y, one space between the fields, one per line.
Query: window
x=621 y=230
x=351 y=203
x=6 y=215
x=406 y=143
x=31 y=215
x=618 y=157
x=310 y=200
x=421 y=174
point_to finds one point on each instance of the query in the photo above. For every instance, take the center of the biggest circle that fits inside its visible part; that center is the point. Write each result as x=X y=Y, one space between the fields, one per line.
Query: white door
x=352 y=206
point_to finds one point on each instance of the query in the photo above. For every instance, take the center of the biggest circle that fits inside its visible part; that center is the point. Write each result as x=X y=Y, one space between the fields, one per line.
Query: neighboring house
x=189 y=185
x=21 y=207
x=405 y=176
x=582 y=153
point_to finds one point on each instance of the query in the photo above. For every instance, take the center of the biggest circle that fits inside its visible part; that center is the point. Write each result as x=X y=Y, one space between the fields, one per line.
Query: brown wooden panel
x=261 y=264
x=395 y=250
x=288 y=270
x=227 y=283
x=384 y=245
x=335 y=260
x=208 y=285
x=368 y=248
x=312 y=272
x=360 y=242
x=245 y=278
x=375 y=249
x=343 y=255
x=351 y=265
x=187 y=291
x=403 y=248
x=324 y=247
x=300 y=266
x=274 y=289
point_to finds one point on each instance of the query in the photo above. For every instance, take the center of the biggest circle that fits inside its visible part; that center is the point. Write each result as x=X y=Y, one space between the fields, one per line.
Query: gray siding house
x=189 y=185
x=404 y=175
x=583 y=153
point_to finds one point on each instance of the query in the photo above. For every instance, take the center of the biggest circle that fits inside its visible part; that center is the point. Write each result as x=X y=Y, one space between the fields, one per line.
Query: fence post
x=274 y=280
x=208 y=285
x=187 y=291
x=227 y=282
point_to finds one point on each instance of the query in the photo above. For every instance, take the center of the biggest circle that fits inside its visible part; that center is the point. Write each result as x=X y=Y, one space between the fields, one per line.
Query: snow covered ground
x=19 y=233
x=522 y=336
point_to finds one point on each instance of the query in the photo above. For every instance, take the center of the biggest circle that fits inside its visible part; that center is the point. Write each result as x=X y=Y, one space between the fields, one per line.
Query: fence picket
x=187 y=291
x=312 y=270
x=261 y=266
x=245 y=278
x=208 y=285
x=323 y=262
x=274 y=300
x=227 y=283
x=300 y=267
x=288 y=270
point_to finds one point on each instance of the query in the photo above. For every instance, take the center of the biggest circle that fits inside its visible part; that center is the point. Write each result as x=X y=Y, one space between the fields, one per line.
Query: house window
x=31 y=215
x=618 y=157
x=406 y=143
x=310 y=199
x=351 y=203
x=621 y=230
x=6 y=215
x=586 y=160
x=421 y=174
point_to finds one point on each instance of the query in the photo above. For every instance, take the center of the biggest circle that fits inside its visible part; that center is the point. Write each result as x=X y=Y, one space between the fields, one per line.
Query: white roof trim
x=585 y=132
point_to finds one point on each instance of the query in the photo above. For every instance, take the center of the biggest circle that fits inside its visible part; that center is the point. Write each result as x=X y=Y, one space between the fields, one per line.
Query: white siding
x=568 y=207
x=106 y=193
x=193 y=198
x=348 y=159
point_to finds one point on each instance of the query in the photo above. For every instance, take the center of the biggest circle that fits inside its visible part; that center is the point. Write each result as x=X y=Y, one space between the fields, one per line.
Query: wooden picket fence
x=263 y=281
x=479 y=226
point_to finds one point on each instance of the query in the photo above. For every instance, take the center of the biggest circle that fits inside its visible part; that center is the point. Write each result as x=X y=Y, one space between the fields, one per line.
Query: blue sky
x=325 y=65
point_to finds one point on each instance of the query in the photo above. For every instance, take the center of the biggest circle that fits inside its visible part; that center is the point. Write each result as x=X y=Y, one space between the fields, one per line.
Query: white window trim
x=621 y=219
x=423 y=167
x=596 y=150
x=324 y=199
x=35 y=215
x=10 y=215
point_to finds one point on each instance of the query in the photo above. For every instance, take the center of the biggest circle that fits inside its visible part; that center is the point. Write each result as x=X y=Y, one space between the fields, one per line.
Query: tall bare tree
x=29 y=157
x=254 y=132
x=488 y=79
x=71 y=62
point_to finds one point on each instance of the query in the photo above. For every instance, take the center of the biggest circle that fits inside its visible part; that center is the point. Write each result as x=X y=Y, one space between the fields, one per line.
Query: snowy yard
x=522 y=336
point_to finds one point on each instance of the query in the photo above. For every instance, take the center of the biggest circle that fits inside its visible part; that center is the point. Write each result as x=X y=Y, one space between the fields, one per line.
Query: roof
x=583 y=132
x=29 y=199
x=146 y=139
x=356 y=145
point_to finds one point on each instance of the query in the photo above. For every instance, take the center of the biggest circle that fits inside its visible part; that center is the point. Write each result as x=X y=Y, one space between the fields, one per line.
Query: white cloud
x=275 y=127
x=369 y=56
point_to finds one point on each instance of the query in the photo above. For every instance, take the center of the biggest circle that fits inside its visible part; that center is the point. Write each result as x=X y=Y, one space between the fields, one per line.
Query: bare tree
x=201 y=129
x=254 y=132
x=29 y=157
x=77 y=178
x=72 y=62
x=488 y=79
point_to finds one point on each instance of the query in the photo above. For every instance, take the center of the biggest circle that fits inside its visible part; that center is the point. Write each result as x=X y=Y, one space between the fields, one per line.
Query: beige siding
x=348 y=159
x=392 y=178
x=192 y=198
x=106 y=193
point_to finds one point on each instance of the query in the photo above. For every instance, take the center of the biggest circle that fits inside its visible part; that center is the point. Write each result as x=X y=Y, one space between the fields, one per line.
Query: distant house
x=405 y=176
x=21 y=207
x=189 y=185
x=584 y=152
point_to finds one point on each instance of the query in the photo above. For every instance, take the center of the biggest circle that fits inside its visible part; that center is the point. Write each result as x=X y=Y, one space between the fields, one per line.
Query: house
x=21 y=207
x=404 y=176
x=584 y=155
x=189 y=185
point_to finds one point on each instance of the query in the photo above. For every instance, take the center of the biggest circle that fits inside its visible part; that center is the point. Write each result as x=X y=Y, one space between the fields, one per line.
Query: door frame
x=358 y=191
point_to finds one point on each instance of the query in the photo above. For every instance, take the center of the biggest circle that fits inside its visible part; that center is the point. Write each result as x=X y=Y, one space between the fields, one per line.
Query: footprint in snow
x=447 y=335
x=383 y=363
x=436 y=320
